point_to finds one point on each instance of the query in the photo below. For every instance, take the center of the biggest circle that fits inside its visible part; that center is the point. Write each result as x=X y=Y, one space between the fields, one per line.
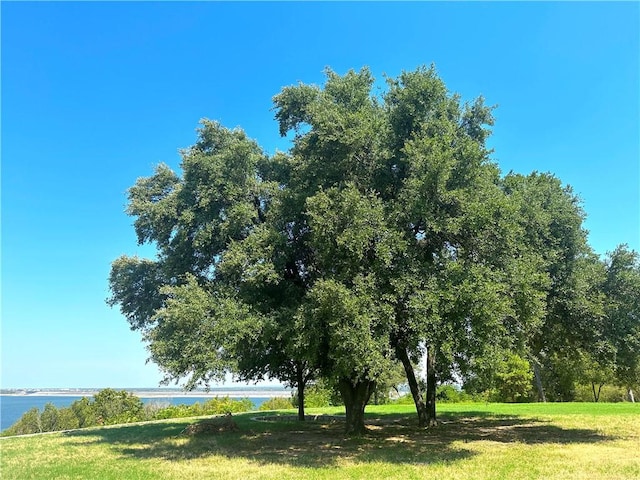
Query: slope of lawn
x=476 y=441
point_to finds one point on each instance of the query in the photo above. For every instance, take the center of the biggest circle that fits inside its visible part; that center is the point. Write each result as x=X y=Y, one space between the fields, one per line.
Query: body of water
x=12 y=407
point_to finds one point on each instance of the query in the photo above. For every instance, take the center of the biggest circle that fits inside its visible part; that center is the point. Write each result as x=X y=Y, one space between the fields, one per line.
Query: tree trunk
x=632 y=399
x=301 y=384
x=421 y=407
x=536 y=373
x=431 y=387
x=596 y=395
x=355 y=398
x=599 y=389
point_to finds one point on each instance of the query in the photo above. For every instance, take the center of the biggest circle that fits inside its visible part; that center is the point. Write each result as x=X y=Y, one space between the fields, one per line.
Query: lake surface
x=12 y=407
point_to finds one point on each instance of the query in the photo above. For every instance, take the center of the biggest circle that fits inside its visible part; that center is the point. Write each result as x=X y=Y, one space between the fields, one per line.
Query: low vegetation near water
x=111 y=407
x=479 y=441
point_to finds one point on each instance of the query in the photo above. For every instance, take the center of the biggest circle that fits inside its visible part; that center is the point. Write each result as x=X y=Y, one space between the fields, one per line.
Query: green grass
x=475 y=441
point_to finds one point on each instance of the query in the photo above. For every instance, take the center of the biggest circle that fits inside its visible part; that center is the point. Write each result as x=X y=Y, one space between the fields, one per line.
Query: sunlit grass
x=479 y=441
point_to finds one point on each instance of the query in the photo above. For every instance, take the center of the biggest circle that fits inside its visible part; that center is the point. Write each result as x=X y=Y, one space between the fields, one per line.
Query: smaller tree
x=622 y=327
x=513 y=380
x=67 y=419
x=594 y=373
x=85 y=413
x=49 y=418
x=28 y=423
x=112 y=407
x=500 y=376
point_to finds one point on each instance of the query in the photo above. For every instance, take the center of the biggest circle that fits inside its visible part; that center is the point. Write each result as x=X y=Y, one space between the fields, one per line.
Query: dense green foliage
x=277 y=403
x=445 y=393
x=384 y=234
x=110 y=407
x=214 y=406
x=319 y=394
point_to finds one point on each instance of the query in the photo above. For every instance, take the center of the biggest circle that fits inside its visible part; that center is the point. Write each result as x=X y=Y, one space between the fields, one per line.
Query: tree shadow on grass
x=389 y=438
x=478 y=426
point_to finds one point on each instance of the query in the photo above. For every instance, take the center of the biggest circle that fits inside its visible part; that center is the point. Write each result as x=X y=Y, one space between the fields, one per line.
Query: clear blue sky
x=95 y=94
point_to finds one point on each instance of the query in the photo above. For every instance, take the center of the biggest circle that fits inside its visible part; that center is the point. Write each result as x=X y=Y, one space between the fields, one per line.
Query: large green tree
x=189 y=309
x=622 y=314
x=339 y=221
x=345 y=320
x=385 y=232
x=455 y=275
x=551 y=216
x=466 y=282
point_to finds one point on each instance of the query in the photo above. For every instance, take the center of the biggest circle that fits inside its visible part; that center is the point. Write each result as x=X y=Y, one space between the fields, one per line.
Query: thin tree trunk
x=421 y=408
x=355 y=398
x=632 y=399
x=596 y=396
x=599 y=389
x=431 y=387
x=301 y=384
x=536 y=373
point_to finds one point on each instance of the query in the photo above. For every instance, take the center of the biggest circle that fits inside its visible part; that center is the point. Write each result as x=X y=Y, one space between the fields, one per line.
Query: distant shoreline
x=153 y=393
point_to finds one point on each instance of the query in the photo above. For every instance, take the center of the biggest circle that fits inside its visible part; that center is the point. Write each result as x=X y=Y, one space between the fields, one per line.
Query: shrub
x=151 y=410
x=49 y=418
x=29 y=422
x=85 y=413
x=444 y=393
x=54 y=419
x=215 y=406
x=319 y=394
x=178 y=411
x=513 y=380
x=406 y=399
x=450 y=394
x=67 y=419
x=277 y=403
x=112 y=407
x=218 y=405
x=608 y=393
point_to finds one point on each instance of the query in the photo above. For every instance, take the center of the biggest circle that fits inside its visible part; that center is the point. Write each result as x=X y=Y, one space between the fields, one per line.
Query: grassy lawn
x=473 y=441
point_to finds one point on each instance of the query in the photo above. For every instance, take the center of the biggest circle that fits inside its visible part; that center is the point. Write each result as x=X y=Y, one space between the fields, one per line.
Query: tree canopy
x=384 y=233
